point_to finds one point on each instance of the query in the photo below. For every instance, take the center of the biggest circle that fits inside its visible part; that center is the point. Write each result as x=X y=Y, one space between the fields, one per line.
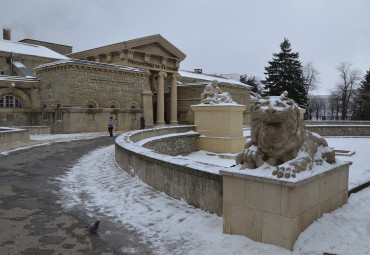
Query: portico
x=161 y=59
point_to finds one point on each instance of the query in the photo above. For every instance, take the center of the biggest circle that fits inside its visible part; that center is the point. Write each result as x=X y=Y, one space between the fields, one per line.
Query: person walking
x=142 y=122
x=110 y=126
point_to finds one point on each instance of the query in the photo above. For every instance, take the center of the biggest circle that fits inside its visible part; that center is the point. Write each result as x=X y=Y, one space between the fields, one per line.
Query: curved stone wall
x=340 y=130
x=197 y=183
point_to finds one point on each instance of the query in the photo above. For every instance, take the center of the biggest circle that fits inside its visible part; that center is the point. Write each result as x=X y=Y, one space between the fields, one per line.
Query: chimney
x=6 y=34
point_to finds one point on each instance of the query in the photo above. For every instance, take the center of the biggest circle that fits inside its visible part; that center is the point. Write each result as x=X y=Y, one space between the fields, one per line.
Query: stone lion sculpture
x=278 y=137
x=213 y=95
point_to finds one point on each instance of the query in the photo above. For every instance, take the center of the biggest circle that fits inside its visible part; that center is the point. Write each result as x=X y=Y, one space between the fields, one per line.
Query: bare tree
x=316 y=105
x=334 y=104
x=310 y=76
x=348 y=83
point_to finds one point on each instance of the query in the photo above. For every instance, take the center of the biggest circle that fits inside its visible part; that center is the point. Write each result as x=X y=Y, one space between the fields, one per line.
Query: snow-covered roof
x=29 y=49
x=92 y=63
x=210 y=77
x=23 y=69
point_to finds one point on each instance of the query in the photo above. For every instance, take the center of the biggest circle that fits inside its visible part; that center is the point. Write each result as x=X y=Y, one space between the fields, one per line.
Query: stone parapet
x=276 y=211
x=180 y=144
x=8 y=135
x=199 y=185
x=147 y=133
x=337 y=122
x=36 y=130
x=340 y=130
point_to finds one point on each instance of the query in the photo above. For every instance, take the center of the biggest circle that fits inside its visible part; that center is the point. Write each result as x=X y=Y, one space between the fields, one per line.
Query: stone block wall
x=277 y=211
x=198 y=188
x=74 y=120
x=340 y=130
x=89 y=93
x=180 y=144
x=16 y=117
x=55 y=89
x=79 y=86
x=8 y=135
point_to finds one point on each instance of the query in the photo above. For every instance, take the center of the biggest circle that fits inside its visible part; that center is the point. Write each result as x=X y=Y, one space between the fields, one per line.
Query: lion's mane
x=278 y=137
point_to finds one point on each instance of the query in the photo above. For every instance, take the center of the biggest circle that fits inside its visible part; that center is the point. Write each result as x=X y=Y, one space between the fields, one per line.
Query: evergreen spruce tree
x=364 y=103
x=284 y=73
x=256 y=85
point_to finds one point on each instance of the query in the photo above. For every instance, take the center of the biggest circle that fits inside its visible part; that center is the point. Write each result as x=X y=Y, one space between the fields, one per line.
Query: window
x=10 y=102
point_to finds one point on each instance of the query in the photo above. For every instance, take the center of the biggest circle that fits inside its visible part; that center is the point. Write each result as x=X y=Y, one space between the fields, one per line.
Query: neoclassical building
x=44 y=83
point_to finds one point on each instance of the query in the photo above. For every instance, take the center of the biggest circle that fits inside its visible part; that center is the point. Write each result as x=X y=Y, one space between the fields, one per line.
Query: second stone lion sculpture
x=278 y=137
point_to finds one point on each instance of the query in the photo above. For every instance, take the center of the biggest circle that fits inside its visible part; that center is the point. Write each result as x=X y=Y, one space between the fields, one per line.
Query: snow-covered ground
x=174 y=227
x=359 y=171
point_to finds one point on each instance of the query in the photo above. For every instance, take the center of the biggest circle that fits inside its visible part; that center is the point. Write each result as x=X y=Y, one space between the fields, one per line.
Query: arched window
x=10 y=101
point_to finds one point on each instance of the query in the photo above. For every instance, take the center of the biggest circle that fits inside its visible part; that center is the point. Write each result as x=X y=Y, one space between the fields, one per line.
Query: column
x=160 y=99
x=148 y=108
x=173 y=118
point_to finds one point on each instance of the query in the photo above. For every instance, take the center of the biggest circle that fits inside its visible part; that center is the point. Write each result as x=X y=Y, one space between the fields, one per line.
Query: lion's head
x=277 y=129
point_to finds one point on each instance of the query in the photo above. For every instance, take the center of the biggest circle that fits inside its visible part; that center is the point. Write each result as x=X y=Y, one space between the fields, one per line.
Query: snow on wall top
x=29 y=49
x=92 y=63
x=209 y=77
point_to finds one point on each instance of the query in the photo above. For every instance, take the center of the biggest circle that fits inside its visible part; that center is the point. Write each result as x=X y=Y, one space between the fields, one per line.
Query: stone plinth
x=220 y=126
x=276 y=211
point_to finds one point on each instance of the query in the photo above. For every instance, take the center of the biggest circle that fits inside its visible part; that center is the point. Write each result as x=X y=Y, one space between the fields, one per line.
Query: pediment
x=155 y=49
x=155 y=44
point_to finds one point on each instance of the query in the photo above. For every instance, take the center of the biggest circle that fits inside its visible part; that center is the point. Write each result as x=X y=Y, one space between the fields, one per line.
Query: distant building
x=43 y=83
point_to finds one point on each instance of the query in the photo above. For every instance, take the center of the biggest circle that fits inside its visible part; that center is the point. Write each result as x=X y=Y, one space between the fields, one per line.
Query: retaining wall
x=181 y=144
x=36 y=130
x=8 y=135
x=340 y=130
x=198 y=184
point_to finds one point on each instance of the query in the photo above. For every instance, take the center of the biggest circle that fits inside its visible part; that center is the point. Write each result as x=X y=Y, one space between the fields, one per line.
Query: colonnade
x=173 y=97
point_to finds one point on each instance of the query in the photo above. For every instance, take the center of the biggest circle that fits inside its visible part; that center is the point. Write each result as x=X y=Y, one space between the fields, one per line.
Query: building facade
x=78 y=92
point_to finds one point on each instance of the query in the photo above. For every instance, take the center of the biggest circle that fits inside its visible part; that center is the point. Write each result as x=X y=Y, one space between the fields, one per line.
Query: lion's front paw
x=282 y=171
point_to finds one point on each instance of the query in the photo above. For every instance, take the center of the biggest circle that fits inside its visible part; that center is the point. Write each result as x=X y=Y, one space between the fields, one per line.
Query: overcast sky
x=227 y=36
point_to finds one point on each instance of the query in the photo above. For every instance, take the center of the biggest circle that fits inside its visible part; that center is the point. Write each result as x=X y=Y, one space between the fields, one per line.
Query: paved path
x=33 y=223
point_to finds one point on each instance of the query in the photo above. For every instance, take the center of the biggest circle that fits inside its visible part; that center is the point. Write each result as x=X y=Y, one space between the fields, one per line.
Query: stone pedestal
x=276 y=211
x=220 y=126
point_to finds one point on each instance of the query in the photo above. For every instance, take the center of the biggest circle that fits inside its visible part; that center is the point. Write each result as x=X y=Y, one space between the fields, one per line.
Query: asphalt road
x=31 y=220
